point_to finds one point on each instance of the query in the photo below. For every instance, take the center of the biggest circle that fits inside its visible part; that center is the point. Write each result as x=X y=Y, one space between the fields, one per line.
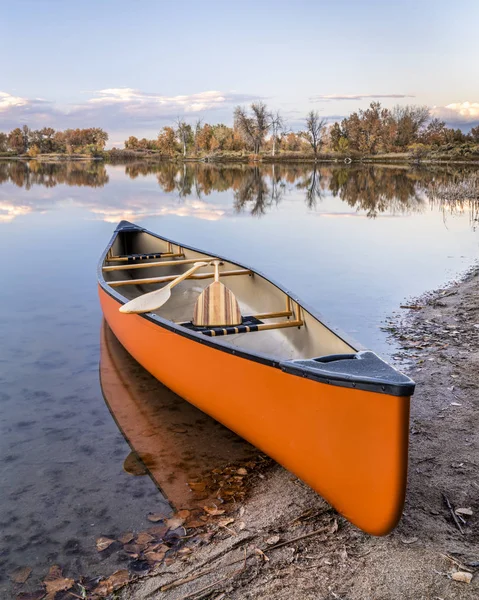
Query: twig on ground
x=451 y=510
x=456 y=562
x=301 y=537
x=207 y=587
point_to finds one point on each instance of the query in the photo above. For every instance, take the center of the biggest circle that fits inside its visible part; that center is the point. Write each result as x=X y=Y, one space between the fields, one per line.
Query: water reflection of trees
x=27 y=174
x=372 y=189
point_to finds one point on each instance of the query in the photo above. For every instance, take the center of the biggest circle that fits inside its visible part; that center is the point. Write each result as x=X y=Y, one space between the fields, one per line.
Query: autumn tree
x=131 y=143
x=435 y=133
x=474 y=133
x=166 y=142
x=197 y=132
x=203 y=138
x=253 y=129
x=410 y=120
x=3 y=142
x=315 y=130
x=16 y=141
x=43 y=139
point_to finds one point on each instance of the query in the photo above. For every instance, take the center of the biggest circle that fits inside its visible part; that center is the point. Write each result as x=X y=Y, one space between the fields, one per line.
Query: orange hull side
x=348 y=445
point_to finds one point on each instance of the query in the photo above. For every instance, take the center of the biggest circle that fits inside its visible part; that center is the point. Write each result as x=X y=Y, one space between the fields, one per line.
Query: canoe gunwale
x=292 y=367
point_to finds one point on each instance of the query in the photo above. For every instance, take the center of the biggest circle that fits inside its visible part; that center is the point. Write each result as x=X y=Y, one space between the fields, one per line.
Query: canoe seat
x=248 y=324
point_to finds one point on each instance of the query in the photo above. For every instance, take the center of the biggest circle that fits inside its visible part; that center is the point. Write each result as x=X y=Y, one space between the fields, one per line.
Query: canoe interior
x=255 y=294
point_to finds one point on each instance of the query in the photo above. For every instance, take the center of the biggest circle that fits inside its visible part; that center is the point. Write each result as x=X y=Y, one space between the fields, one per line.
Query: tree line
x=46 y=141
x=258 y=130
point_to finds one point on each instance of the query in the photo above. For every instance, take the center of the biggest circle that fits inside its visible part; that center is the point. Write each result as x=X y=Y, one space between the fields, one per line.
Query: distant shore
x=119 y=155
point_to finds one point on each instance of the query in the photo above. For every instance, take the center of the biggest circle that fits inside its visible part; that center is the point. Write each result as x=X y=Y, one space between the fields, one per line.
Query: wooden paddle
x=157 y=298
x=216 y=305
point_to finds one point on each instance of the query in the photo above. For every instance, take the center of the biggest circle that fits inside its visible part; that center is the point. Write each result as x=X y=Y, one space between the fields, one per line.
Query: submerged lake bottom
x=352 y=242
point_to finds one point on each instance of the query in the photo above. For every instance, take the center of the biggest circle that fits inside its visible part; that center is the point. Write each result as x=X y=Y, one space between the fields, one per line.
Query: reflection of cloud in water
x=149 y=207
x=9 y=210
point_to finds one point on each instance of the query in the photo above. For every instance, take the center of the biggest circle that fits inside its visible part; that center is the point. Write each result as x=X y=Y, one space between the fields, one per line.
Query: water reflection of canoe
x=176 y=442
x=285 y=381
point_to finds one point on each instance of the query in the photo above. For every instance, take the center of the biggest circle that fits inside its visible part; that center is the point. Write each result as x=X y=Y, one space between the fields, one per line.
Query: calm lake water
x=353 y=242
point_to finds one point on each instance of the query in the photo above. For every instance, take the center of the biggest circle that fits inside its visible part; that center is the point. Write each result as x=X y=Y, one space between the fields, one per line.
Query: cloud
x=7 y=101
x=458 y=113
x=128 y=111
x=119 y=110
x=329 y=97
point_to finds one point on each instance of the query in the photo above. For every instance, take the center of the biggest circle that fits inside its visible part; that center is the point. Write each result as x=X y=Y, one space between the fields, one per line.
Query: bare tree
x=277 y=124
x=315 y=130
x=253 y=128
x=184 y=133
x=198 y=125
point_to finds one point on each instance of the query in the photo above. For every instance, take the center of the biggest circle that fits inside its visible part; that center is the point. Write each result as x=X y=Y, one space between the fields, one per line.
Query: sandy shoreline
x=334 y=559
x=285 y=542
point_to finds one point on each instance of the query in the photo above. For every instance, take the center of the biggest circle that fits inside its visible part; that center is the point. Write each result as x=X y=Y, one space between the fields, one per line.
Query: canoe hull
x=349 y=445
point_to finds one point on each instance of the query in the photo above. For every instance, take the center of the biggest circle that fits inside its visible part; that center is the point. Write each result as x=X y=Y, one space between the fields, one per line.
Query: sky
x=133 y=67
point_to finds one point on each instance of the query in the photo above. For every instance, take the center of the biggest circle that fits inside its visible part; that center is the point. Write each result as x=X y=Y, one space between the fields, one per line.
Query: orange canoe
x=334 y=415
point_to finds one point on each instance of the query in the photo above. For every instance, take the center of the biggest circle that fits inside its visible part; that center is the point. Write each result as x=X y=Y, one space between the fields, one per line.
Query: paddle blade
x=217 y=307
x=147 y=302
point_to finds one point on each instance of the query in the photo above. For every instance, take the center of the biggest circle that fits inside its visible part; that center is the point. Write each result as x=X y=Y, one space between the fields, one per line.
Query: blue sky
x=132 y=67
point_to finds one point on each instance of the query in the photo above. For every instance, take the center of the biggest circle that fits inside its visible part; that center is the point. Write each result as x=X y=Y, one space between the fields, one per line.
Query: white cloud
x=329 y=97
x=119 y=110
x=7 y=101
x=134 y=100
x=457 y=113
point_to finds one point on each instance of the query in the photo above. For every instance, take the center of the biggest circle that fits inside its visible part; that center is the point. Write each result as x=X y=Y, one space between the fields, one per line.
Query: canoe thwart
x=167 y=278
x=248 y=325
x=166 y=263
x=132 y=258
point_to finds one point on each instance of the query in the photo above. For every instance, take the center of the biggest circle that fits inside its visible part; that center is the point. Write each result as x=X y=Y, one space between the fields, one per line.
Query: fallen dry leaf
x=213 y=510
x=242 y=471
x=175 y=429
x=133 y=465
x=183 y=514
x=115 y=581
x=462 y=576
x=155 y=517
x=464 y=511
x=156 y=556
x=126 y=538
x=262 y=554
x=20 y=575
x=194 y=523
x=158 y=530
x=199 y=486
x=144 y=538
x=225 y=522
x=55 y=582
x=103 y=543
x=272 y=540
x=174 y=522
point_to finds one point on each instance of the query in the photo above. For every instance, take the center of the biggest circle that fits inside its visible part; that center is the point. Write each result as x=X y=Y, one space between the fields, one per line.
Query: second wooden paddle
x=216 y=305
